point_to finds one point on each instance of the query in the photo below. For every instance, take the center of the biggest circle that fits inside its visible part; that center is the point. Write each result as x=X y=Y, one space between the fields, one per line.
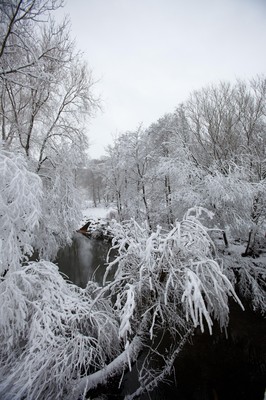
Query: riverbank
x=95 y=223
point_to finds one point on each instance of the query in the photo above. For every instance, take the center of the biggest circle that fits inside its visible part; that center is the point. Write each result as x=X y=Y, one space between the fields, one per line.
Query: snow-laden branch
x=169 y=273
x=147 y=387
x=20 y=209
x=115 y=368
x=50 y=334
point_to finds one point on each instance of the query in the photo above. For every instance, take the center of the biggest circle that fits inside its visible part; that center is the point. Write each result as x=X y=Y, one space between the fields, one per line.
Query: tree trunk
x=146 y=206
x=168 y=192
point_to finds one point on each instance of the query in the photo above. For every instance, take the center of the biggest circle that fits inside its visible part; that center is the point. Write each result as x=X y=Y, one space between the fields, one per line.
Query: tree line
x=211 y=152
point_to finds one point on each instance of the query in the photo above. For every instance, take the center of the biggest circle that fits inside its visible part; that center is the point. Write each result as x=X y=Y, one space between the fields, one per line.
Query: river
x=84 y=260
x=210 y=367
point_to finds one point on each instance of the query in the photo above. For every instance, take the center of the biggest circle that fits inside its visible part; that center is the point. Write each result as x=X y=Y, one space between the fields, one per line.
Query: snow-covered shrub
x=51 y=333
x=165 y=272
x=111 y=214
x=250 y=276
x=166 y=282
x=20 y=209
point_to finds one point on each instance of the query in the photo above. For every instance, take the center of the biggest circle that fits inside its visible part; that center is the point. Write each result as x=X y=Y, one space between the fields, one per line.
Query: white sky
x=148 y=55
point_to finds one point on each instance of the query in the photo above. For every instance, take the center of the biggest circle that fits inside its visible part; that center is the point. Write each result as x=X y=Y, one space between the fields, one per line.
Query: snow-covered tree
x=20 y=25
x=166 y=282
x=171 y=170
x=228 y=125
x=136 y=164
x=46 y=100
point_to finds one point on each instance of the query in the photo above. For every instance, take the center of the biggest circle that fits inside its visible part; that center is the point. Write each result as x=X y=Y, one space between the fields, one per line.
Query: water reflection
x=84 y=260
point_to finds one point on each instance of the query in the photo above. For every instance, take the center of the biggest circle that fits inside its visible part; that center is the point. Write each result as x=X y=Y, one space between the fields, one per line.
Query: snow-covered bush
x=165 y=282
x=167 y=274
x=249 y=275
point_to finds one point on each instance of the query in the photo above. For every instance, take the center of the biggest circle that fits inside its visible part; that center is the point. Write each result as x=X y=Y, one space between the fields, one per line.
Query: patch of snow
x=94 y=213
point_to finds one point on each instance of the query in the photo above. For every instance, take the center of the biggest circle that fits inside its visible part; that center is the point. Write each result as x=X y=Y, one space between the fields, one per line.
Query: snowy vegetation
x=189 y=194
x=209 y=152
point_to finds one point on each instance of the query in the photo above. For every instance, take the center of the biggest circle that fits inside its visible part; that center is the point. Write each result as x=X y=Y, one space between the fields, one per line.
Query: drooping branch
x=115 y=368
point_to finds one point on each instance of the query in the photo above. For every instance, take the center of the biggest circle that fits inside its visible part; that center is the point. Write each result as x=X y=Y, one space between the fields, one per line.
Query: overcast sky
x=148 y=55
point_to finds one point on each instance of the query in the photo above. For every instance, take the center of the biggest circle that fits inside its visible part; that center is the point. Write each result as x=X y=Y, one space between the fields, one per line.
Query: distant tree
x=228 y=122
x=214 y=123
x=137 y=162
x=114 y=177
x=229 y=129
x=126 y=169
x=90 y=178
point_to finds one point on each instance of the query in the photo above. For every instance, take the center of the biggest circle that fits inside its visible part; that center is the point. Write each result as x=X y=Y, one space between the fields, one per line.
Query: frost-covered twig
x=166 y=370
x=115 y=368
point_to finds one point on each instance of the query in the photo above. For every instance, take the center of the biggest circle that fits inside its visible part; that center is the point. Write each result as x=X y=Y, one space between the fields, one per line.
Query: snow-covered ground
x=91 y=212
x=100 y=212
x=94 y=213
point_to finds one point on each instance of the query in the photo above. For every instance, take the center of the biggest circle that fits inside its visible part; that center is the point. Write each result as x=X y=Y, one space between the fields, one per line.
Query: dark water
x=84 y=260
x=219 y=367
x=216 y=367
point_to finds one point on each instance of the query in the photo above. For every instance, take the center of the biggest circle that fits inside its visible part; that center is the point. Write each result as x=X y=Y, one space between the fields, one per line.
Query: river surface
x=210 y=367
x=84 y=260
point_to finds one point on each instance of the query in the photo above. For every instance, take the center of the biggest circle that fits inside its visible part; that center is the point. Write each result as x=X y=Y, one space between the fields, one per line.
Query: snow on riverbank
x=96 y=222
x=91 y=212
x=94 y=213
